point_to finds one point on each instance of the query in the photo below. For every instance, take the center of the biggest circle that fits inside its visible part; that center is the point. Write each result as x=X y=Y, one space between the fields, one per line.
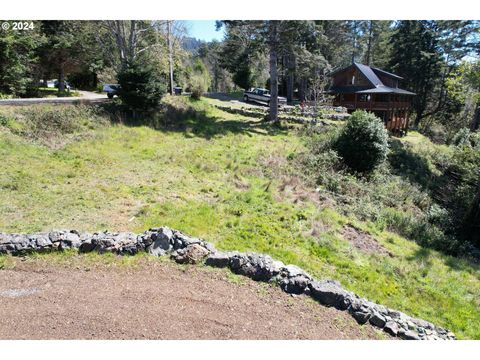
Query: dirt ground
x=78 y=299
x=363 y=241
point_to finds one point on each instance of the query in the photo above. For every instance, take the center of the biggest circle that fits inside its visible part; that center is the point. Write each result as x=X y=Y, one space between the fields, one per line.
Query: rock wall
x=306 y=117
x=164 y=241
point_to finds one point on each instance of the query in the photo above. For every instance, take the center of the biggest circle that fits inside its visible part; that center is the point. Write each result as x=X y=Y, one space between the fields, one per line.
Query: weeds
x=238 y=183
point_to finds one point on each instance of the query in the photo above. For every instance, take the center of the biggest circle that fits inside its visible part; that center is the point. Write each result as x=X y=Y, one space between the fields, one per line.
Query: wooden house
x=367 y=88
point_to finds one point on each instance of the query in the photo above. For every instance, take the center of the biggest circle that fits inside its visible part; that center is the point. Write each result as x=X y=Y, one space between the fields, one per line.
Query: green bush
x=199 y=80
x=363 y=142
x=462 y=137
x=142 y=87
x=3 y=120
x=420 y=229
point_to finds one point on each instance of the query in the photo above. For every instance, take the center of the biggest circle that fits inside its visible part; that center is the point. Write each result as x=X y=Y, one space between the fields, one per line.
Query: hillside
x=227 y=178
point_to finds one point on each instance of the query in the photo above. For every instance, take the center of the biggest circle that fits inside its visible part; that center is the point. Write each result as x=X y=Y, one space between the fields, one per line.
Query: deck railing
x=373 y=105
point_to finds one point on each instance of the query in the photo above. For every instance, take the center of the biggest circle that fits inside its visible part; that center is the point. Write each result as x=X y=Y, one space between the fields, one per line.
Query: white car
x=261 y=95
x=56 y=83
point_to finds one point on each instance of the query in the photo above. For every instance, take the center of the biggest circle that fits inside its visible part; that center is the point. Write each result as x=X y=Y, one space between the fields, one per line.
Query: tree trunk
x=354 y=41
x=215 y=76
x=290 y=78
x=117 y=27
x=369 y=44
x=273 y=40
x=302 y=90
x=170 y=54
x=132 y=40
x=95 y=80
x=472 y=220
x=476 y=119
x=61 y=80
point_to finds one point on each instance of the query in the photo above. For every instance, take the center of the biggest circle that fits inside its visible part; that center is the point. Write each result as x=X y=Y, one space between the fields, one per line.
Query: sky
x=203 y=30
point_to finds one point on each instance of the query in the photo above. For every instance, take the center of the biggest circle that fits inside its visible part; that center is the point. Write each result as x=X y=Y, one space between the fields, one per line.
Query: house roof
x=386 y=73
x=348 y=89
x=377 y=85
x=369 y=74
x=385 y=90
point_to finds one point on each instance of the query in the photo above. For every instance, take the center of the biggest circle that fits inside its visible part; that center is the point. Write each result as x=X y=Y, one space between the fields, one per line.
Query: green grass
x=44 y=92
x=219 y=176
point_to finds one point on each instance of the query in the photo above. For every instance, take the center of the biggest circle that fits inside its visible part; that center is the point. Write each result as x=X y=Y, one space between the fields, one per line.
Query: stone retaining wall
x=285 y=115
x=184 y=249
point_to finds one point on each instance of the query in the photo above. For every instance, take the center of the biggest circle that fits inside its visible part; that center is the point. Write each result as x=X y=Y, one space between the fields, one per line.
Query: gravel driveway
x=156 y=300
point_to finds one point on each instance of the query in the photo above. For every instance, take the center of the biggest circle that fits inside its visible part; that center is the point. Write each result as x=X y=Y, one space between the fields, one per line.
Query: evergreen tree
x=416 y=57
x=142 y=87
x=19 y=61
x=64 y=49
x=242 y=43
x=376 y=37
x=335 y=42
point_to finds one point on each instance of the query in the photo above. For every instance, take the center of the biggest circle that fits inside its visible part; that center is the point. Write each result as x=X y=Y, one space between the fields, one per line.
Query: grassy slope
x=212 y=181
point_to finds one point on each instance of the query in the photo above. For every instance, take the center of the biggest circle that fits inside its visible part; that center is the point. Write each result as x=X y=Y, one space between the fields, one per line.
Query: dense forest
x=437 y=59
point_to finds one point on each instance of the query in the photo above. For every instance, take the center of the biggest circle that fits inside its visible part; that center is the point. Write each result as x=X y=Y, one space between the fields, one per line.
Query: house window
x=381 y=97
x=364 y=98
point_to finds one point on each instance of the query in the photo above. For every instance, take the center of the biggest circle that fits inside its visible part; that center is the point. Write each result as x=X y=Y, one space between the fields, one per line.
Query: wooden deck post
x=406 y=121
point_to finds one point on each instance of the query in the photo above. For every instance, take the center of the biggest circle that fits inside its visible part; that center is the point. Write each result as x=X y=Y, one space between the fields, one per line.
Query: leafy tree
x=363 y=142
x=211 y=54
x=335 y=44
x=241 y=46
x=280 y=39
x=132 y=38
x=376 y=36
x=426 y=53
x=461 y=98
x=18 y=60
x=457 y=39
x=142 y=87
x=416 y=57
x=469 y=78
x=63 y=51
x=472 y=220
x=300 y=49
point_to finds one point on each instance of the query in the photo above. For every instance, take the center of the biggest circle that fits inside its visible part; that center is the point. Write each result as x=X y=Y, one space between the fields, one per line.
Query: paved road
x=227 y=100
x=86 y=97
x=81 y=299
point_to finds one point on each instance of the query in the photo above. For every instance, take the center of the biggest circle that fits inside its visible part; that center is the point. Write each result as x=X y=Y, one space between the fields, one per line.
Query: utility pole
x=170 y=53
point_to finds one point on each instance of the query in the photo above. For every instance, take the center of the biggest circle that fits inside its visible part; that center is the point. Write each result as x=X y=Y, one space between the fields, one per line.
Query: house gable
x=351 y=76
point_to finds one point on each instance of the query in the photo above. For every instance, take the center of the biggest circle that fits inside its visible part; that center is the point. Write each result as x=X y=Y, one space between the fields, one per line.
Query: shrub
x=51 y=125
x=363 y=142
x=142 y=87
x=475 y=139
x=420 y=229
x=199 y=80
x=462 y=137
x=3 y=120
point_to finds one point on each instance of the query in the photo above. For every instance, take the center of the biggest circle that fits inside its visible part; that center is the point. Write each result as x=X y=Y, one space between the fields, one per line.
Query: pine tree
x=416 y=57
x=376 y=36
